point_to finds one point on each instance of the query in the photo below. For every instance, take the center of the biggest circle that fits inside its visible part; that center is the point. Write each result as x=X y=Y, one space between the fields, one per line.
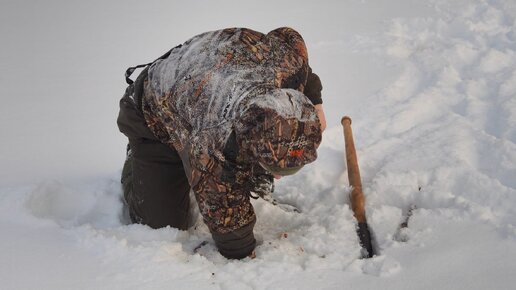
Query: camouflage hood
x=280 y=129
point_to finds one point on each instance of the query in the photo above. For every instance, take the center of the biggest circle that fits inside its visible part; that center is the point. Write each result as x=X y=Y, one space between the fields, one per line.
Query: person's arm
x=313 y=90
x=229 y=215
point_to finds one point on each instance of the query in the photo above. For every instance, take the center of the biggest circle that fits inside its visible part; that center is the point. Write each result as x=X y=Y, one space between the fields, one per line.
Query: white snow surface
x=431 y=89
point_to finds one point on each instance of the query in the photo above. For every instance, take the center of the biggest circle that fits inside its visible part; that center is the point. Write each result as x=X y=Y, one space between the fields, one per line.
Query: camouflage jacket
x=228 y=100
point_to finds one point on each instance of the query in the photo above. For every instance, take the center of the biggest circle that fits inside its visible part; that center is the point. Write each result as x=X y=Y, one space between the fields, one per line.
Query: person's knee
x=160 y=189
x=173 y=217
x=237 y=244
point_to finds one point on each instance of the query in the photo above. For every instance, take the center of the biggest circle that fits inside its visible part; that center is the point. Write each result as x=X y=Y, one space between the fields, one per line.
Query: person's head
x=280 y=129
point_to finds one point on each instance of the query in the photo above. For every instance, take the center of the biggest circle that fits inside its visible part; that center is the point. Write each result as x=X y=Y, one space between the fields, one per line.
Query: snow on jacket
x=228 y=100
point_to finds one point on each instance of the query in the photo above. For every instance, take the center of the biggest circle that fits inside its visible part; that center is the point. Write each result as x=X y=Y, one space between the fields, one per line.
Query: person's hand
x=322 y=117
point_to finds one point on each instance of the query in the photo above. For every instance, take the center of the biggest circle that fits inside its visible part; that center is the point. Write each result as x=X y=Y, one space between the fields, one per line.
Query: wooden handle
x=357 y=196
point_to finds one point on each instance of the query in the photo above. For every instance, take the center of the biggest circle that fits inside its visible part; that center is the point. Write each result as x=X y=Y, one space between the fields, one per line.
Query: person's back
x=207 y=82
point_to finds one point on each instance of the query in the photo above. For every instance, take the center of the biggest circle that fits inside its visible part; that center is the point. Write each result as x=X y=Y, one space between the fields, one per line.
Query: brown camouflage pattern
x=233 y=81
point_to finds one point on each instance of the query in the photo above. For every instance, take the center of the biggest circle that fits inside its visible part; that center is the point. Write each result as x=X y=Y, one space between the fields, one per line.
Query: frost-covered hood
x=280 y=130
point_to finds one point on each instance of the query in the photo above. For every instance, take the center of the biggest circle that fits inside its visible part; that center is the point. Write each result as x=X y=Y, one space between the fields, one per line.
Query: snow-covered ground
x=431 y=88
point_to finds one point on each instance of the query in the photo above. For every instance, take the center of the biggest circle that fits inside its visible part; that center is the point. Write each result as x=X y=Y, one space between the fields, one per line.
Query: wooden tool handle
x=357 y=196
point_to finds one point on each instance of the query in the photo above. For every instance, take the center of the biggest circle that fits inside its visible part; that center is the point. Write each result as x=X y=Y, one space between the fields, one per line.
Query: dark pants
x=155 y=186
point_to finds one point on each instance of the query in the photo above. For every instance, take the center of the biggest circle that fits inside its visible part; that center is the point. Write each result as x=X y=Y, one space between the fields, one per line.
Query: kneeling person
x=214 y=115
